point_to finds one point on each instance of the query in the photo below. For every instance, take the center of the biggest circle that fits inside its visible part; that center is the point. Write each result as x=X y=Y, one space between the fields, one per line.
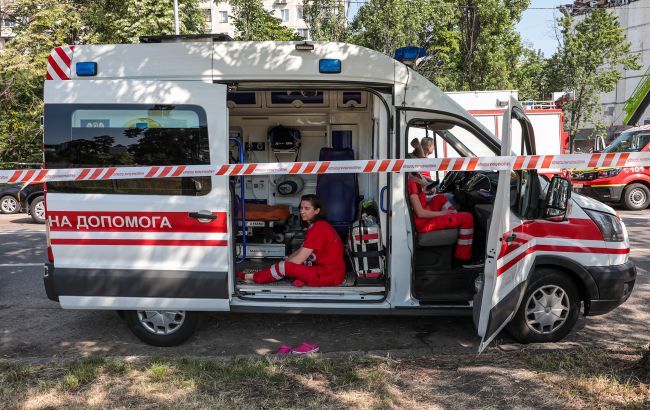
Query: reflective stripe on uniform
x=274 y=272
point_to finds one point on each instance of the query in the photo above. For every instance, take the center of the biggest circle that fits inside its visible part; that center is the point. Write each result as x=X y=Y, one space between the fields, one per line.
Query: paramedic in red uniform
x=435 y=212
x=318 y=262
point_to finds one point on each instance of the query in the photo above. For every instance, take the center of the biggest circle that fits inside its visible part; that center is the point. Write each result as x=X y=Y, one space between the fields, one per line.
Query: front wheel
x=162 y=328
x=9 y=205
x=636 y=197
x=549 y=308
x=37 y=210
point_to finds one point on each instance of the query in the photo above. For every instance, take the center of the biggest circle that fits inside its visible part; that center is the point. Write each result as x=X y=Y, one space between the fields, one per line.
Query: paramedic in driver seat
x=318 y=262
x=434 y=212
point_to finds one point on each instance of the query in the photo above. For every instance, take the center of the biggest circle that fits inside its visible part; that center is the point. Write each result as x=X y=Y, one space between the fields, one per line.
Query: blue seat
x=339 y=192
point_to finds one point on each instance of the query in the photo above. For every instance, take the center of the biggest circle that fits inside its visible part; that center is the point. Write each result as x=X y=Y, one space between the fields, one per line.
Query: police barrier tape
x=539 y=162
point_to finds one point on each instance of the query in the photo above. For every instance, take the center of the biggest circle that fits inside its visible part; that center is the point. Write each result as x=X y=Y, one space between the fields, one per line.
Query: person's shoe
x=284 y=349
x=474 y=264
x=305 y=348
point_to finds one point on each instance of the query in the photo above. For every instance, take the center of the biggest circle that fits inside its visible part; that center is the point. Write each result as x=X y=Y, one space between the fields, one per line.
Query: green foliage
x=326 y=20
x=588 y=61
x=42 y=25
x=530 y=76
x=253 y=23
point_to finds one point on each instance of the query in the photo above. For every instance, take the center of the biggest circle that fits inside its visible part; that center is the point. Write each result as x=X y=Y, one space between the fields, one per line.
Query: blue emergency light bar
x=86 y=69
x=329 y=66
x=410 y=53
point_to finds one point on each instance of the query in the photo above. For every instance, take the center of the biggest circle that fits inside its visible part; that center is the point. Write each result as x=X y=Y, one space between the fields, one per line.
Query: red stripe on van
x=139 y=242
x=64 y=56
x=179 y=221
x=556 y=248
x=55 y=66
x=622 y=159
x=179 y=170
x=370 y=166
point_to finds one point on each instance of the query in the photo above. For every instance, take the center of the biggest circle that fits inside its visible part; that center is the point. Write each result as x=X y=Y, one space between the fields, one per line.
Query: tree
x=254 y=23
x=588 y=63
x=326 y=20
x=530 y=76
x=386 y=25
x=490 y=46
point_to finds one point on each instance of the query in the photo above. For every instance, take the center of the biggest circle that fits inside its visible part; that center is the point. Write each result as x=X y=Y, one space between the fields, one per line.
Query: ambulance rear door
x=153 y=243
x=509 y=259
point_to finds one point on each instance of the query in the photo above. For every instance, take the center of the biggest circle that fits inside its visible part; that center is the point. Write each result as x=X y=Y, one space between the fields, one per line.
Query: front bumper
x=611 y=193
x=615 y=284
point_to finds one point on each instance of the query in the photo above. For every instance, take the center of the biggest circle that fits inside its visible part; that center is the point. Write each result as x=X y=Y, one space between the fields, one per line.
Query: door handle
x=203 y=216
x=511 y=238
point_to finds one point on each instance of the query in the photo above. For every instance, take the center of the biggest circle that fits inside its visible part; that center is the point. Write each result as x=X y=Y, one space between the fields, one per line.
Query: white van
x=164 y=250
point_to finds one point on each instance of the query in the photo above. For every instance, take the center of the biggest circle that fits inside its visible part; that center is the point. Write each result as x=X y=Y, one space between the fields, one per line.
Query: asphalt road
x=35 y=327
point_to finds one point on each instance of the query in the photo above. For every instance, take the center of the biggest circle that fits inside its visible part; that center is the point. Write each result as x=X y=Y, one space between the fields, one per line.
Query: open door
x=507 y=263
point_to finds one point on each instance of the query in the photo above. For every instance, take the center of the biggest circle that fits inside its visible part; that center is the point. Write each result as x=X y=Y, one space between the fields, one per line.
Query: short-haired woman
x=318 y=262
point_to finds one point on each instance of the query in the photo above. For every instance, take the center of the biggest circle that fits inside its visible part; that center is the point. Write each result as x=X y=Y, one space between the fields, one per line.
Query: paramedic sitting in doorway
x=436 y=212
x=318 y=262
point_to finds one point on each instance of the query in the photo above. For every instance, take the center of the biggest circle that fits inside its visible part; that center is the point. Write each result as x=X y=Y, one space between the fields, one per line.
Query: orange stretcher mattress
x=262 y=212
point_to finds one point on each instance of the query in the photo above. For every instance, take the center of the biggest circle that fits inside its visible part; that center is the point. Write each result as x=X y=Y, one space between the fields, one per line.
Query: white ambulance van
x=164 y=251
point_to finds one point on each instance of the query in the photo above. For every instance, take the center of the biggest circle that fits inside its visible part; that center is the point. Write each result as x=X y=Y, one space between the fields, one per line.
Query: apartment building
x=5 y=26
x=218 y=17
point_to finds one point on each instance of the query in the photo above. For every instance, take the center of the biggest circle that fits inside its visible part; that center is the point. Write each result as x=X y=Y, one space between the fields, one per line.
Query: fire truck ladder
x=639 y=101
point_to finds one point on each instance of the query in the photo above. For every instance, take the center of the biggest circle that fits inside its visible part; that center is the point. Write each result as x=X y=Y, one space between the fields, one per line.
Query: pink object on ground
x=284 y=349
x=305 y=348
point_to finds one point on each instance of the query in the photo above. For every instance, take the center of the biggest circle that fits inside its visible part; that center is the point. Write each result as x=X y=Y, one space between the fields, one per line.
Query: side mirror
x=556 y=204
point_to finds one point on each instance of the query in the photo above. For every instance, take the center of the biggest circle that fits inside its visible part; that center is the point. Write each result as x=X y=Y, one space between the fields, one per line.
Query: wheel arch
x=587 y=288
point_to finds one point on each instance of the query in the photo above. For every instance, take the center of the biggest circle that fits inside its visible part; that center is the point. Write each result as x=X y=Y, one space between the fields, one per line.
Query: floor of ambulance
x=253 y=265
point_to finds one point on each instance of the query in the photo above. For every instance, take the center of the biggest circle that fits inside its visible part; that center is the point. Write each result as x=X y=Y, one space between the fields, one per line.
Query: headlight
x=610 y=225
x=607 y=173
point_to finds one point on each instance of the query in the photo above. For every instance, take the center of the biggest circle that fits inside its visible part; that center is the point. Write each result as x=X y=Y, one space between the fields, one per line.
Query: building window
x=285 y=14
x=207 y=17
x=300 y=12
x=223 y=17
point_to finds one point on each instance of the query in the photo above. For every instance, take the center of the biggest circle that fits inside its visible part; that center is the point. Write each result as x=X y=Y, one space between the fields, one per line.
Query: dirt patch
x=572 y=378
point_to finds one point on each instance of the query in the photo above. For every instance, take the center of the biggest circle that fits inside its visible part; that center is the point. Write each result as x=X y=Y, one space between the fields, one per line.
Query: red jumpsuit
x=461 y=220
x=324 y=267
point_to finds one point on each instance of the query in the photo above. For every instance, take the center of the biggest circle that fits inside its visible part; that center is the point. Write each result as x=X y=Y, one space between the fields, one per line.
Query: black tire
x=35 y=210
x=542 y=281
x=9 y=205
x=636 y=197
x=179 y=335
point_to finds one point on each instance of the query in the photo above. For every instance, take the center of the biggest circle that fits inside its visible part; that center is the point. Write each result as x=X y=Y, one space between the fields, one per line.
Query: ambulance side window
x=94 y=135
x=524 y=184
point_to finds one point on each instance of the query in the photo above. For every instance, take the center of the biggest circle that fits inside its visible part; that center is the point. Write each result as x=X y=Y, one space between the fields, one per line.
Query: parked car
x=9 y=203
x=32 y=200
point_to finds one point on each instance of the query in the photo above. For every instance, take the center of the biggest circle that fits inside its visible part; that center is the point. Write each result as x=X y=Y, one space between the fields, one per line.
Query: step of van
x=365 y=293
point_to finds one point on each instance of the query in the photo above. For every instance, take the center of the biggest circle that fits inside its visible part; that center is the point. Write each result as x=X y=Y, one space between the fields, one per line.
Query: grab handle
x=381 y=199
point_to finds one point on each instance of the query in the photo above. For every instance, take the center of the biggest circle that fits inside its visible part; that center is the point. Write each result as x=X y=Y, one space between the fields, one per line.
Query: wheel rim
x=39 y=210
x=547 y=309
x=161 y=323
x=9 y=205
x=637 y=197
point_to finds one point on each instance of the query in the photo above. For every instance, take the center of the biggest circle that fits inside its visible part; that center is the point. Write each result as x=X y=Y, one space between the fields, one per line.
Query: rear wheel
x=636 y=197
x=37 y=210
x=9 y=205
x=549 y=309
x=162 y=328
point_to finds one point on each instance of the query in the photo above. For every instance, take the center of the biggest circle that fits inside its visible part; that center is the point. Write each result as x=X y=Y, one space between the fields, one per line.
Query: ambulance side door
x=508 y=261
x=148 y=243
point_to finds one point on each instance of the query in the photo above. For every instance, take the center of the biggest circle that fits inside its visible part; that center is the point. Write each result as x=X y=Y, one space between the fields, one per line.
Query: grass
x=575 y=378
